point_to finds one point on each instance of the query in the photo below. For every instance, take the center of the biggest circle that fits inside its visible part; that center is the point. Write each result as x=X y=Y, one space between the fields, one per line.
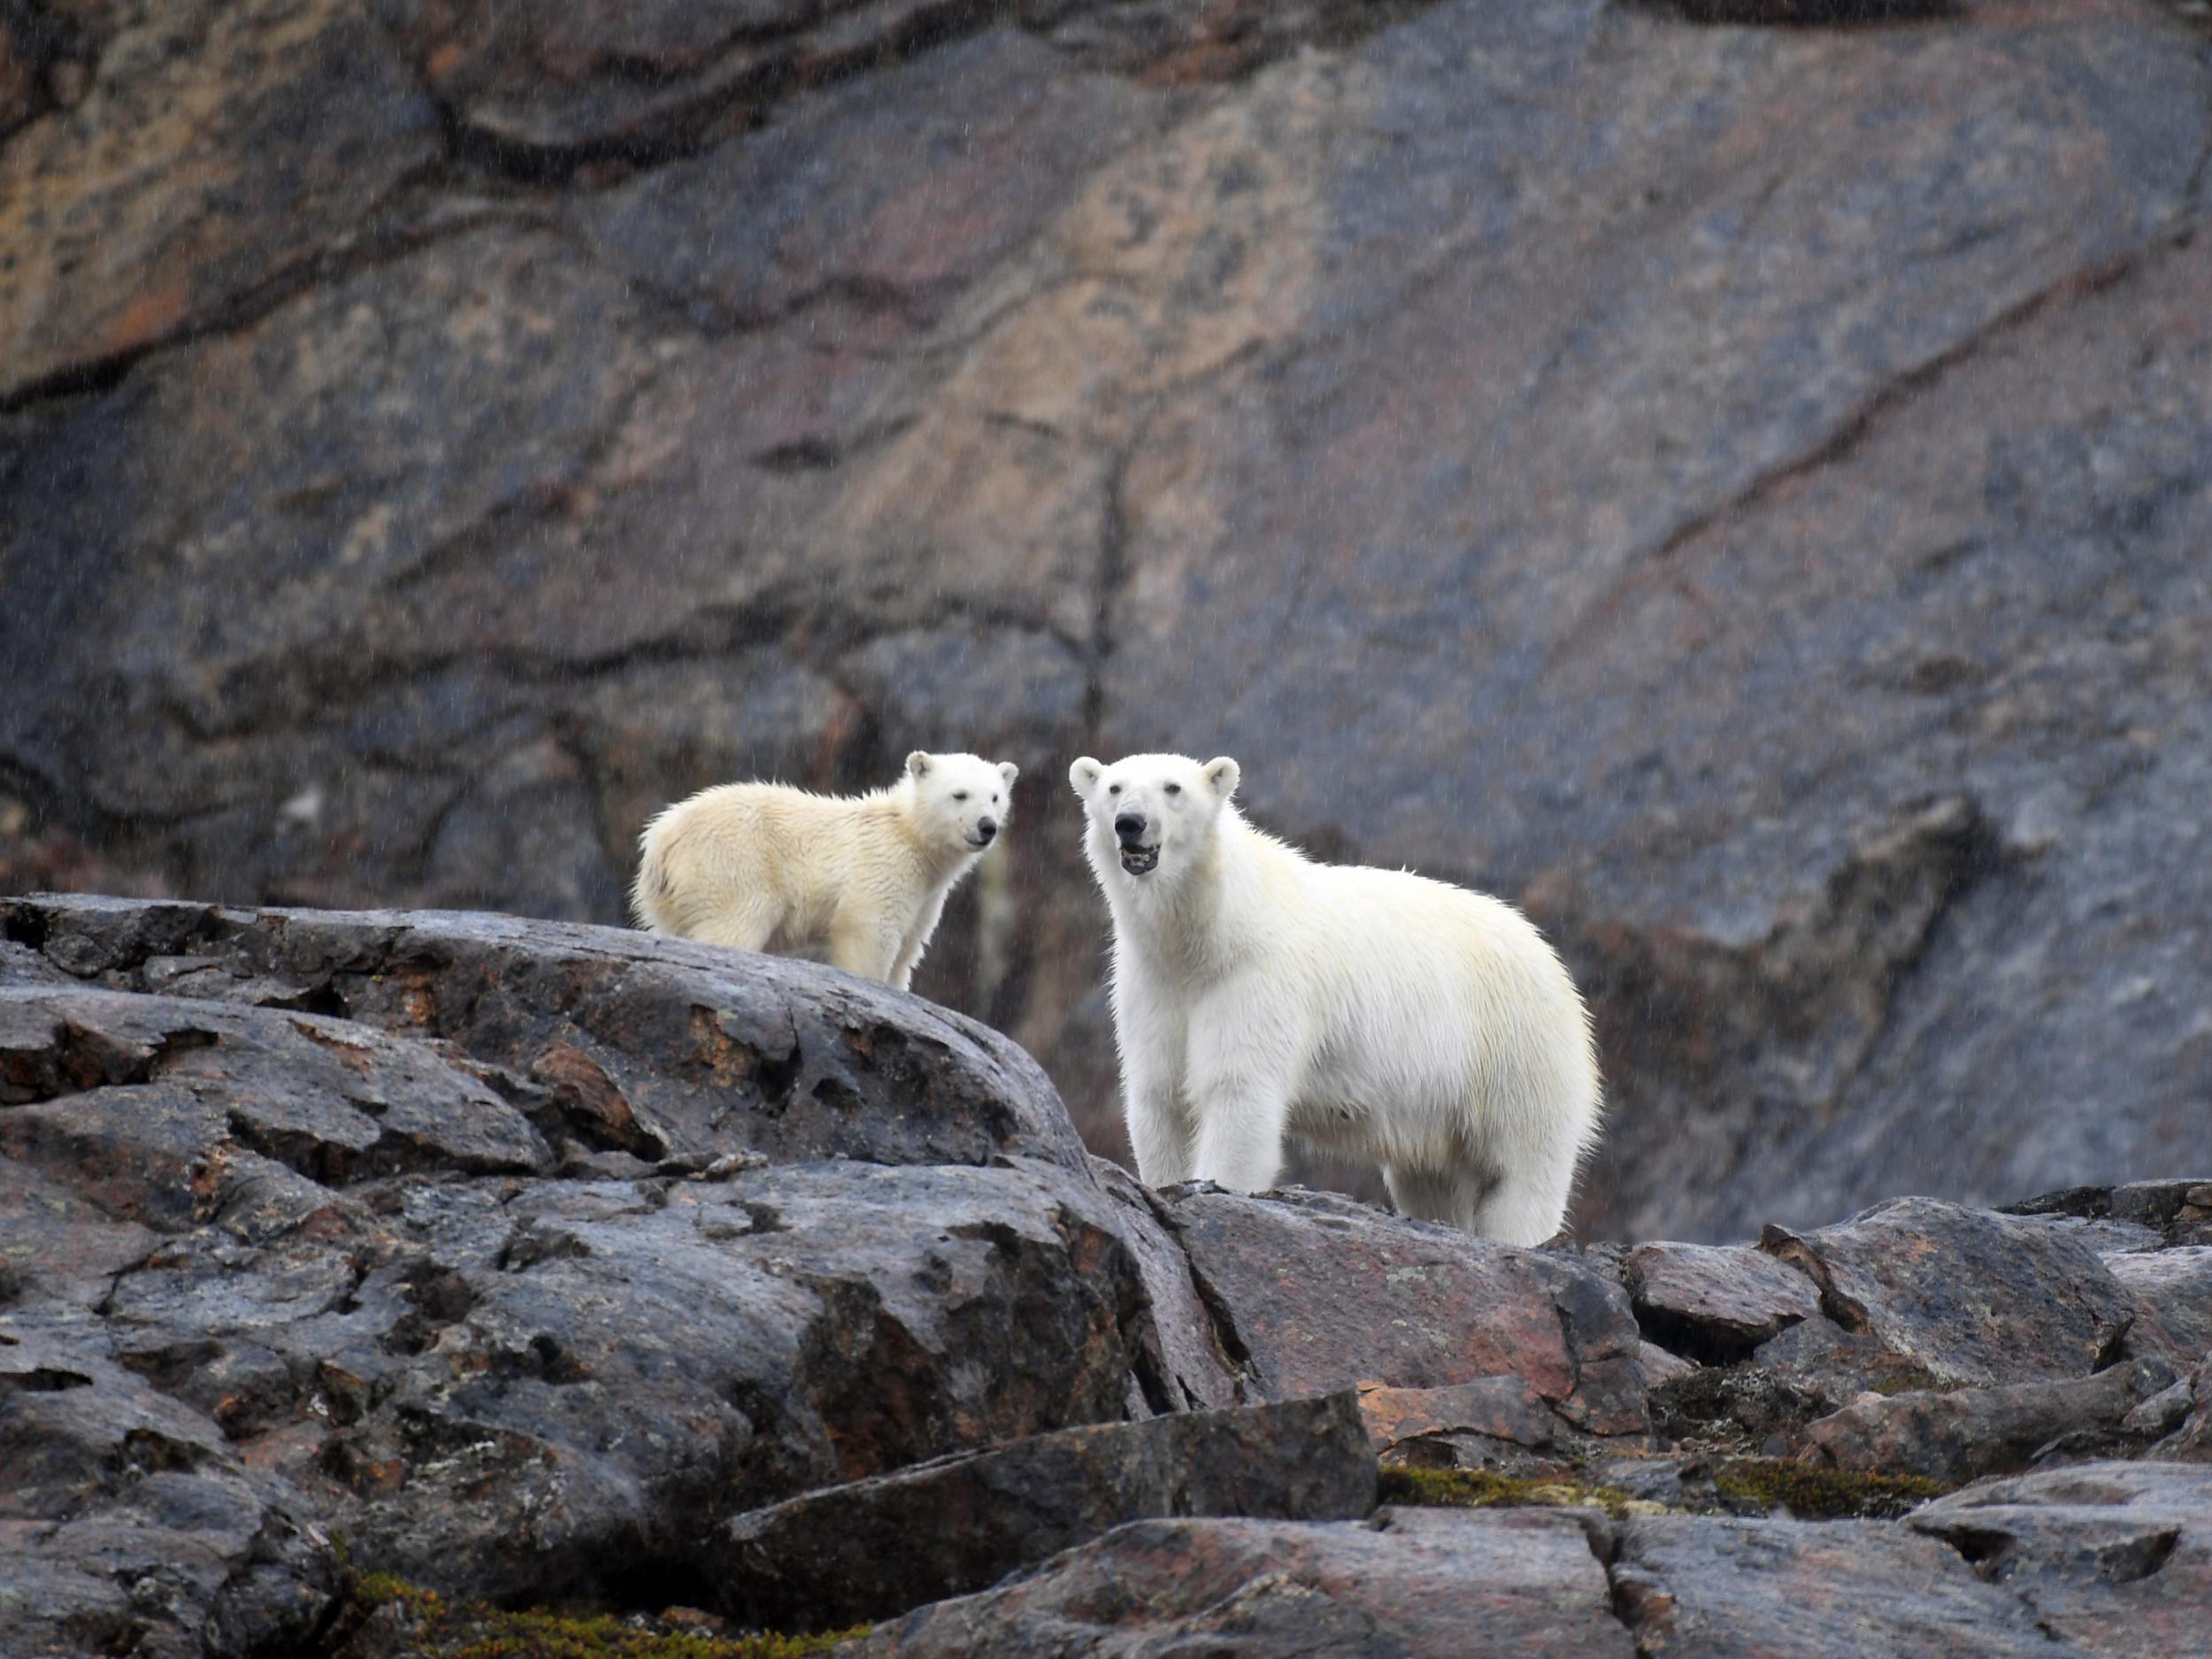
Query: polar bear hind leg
x=1522 y=1208
x=744 y=924
x=1527 y=1208
x=1451 y=1196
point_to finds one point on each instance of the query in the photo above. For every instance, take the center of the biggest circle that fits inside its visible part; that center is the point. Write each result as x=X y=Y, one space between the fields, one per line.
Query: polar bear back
x=1426 y=992
x=800 y=851
x=1435 y=1026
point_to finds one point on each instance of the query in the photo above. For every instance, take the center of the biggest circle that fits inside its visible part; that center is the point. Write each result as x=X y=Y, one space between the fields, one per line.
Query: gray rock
x=398 y=1257
x=616 y=1041
x=2172 y=1293
x=132 y=1525
x=2116 y=1559
x=1793 y=1590
x=1971 y=1296
x=875 y=1548
x=1969 y=1433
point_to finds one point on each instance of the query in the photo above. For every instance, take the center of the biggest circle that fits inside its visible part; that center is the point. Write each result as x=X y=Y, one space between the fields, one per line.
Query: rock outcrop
x=534 y=1263
x=1739 y=491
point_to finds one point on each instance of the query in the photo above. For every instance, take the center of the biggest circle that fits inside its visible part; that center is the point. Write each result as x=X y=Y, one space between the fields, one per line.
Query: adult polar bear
x=1372 y=1012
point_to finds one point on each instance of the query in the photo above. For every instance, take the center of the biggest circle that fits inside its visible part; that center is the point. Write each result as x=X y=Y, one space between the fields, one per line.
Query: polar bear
x=1374 y=1013
x=862 y=879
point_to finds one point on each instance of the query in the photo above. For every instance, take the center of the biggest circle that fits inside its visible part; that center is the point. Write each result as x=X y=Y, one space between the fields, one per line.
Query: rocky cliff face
x=356 y=1269
x=1739 y=491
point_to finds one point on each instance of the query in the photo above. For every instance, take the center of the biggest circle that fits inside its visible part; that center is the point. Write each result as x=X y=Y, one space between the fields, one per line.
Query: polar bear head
x=960 y=800
x=1147 y=808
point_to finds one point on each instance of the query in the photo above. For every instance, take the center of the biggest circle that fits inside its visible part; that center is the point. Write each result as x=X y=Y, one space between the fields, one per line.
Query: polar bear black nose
x=1128 y=825
x=986 y=827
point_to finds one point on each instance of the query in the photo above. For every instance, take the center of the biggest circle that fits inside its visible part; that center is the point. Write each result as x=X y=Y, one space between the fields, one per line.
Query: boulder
x=1721 y=1587
x=2171 y=1291
x=1714 y=1301
x=520 y=1255
x=1472 y=1425
x=1417 y=1584
x=1314 y=1293
x=2192 y=1437
x=2114 y=1559
x=1969 y=1433
x=618 y=1041
x=1969 y=1296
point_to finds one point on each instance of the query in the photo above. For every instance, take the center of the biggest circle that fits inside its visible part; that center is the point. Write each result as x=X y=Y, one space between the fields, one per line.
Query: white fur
x=1372 y=1012
x=860 y=880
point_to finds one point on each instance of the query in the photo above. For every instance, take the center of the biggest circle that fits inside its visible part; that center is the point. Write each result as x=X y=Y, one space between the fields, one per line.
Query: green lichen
x=1912 y=1380
x=436 y=1628
x=1812 y=1492
x=1479 y=1489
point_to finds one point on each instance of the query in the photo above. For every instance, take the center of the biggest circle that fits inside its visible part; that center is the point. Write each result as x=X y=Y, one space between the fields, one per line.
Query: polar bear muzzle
x=1137 y=857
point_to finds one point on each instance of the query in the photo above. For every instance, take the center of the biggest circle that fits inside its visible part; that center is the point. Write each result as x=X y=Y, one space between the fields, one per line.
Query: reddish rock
x=1318 y=1294
x=1714 y=1302
x=1822 y=1361
x=1419 y=1584
x=1465 y=1424
x=213 y=159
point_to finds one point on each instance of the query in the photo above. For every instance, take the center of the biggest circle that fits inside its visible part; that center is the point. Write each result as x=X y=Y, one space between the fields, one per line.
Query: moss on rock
x=1479 y=1489
x=1811 y=1491
x=435 y=1628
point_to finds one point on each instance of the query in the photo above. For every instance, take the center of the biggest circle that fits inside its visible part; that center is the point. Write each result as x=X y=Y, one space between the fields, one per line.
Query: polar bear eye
x=959 y=794
x=1113 y=788
x=1175 y=789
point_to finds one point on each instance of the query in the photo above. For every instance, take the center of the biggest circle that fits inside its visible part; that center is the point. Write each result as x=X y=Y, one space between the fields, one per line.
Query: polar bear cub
x=861 y=879
x=1372 y=1012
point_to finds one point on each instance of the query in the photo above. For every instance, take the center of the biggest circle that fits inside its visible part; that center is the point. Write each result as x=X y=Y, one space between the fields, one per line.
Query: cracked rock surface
x=537 y=1263
x=1737 y=491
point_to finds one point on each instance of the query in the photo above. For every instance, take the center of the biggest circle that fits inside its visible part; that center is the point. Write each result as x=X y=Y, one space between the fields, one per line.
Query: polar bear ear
x=1008 y=771
x=1221 y=777
x=917 y=764
x=1084 y=776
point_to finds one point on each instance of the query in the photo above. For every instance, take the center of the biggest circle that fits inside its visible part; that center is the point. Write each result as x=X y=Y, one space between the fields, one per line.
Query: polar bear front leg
x=1148 y=1034
x=917 y=941
x=860 y=943
x=1159 y=1128
x=1245 y=1059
